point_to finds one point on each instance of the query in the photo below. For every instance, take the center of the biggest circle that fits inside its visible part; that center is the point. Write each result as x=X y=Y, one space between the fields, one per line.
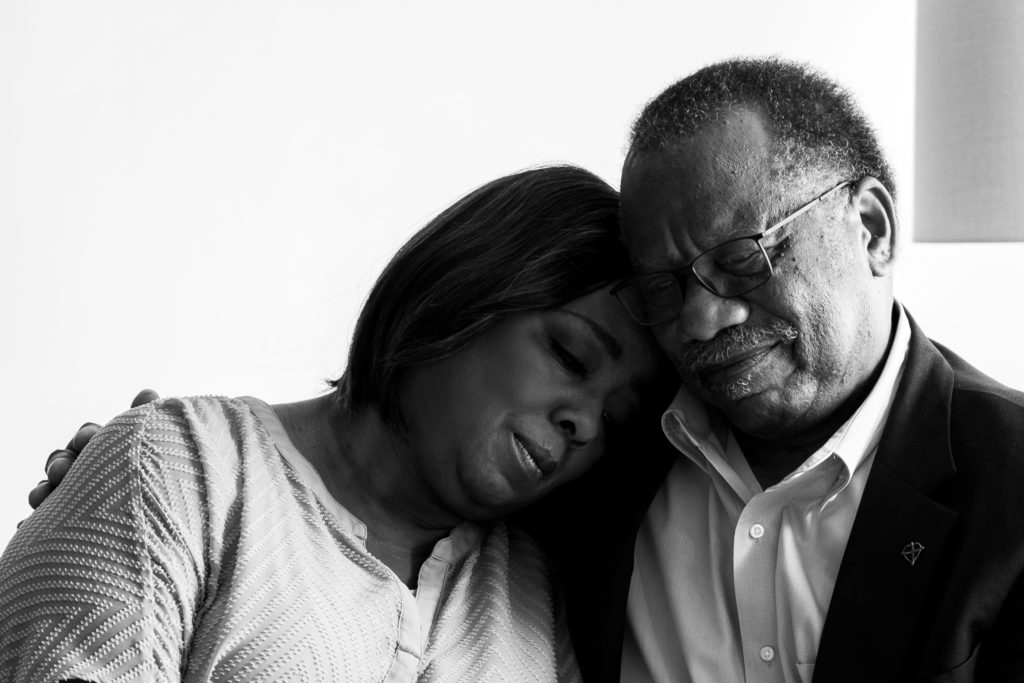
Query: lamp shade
x=969 y=151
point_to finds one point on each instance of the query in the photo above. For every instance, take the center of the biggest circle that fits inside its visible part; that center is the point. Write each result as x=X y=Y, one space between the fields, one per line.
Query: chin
x=492 y=500
x=757 y=414
x=736 y=399
x=732 y=392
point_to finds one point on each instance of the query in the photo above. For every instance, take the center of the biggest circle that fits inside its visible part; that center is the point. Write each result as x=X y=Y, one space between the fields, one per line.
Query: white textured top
x=191 y=541
x=732 y=582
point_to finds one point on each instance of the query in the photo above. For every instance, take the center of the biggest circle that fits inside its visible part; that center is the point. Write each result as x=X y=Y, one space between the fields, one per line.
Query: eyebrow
x=608 y=341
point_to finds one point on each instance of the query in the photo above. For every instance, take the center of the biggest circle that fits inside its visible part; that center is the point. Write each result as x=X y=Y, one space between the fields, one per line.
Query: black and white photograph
x=654 y=342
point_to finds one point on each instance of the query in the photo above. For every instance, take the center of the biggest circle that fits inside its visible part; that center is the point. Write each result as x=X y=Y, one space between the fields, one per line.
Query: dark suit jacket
x=948 y=474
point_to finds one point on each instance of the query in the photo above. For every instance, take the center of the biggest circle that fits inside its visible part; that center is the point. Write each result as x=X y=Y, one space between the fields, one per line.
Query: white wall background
x=196 y=196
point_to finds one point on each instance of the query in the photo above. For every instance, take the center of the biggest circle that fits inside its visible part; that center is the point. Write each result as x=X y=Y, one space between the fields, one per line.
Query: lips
x=532 y=455
x=736 y=367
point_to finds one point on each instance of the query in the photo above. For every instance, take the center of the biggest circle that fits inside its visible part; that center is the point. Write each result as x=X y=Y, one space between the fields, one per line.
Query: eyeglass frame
x=678 y=276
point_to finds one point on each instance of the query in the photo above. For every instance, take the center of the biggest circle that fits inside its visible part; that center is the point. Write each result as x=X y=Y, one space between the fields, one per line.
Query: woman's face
x=529 y=405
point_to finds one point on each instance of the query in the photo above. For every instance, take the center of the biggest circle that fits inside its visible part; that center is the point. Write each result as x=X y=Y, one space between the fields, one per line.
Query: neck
x=772 y=461
x=366 y=467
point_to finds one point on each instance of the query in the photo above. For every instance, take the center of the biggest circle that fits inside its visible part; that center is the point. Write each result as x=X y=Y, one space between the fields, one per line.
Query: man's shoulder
x=938 y=372
x=986 y=428
x=972 y=382
x=981 y=406
x=946 y=405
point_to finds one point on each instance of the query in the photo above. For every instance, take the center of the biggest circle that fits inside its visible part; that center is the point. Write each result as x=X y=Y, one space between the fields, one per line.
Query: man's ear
x=877 y=212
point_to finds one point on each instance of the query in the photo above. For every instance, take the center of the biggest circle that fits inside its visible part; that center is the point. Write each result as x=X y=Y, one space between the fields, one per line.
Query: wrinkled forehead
x=700 y=190
x=735 y=143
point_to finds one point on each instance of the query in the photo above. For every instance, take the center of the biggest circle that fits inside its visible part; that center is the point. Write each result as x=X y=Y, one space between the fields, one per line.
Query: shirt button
x=767 y=654
x=756 y=531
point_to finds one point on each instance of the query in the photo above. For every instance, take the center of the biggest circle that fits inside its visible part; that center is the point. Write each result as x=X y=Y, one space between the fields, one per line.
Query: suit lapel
x=879 y=596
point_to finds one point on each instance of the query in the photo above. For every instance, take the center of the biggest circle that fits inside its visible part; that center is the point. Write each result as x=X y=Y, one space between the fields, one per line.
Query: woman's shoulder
x=189 y=412
x=207 y=436
x=193 y=456
x=182 y=419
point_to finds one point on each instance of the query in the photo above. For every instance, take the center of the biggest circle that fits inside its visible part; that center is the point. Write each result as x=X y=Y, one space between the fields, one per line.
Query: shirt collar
x=860 y=435
x=701 y=433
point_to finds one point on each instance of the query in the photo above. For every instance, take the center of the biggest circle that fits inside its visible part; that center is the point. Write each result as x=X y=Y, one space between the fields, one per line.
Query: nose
x=580 y=421
x=705 y=314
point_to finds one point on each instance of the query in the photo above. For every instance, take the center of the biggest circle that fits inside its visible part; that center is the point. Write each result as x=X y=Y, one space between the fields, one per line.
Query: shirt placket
x=755 y=555
x=419 y=609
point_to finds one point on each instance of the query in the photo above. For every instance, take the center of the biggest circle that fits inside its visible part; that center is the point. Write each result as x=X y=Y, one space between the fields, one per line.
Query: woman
x=352 y=536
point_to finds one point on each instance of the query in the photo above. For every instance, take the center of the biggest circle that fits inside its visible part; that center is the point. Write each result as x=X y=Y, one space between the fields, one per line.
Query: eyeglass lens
x=730 y=269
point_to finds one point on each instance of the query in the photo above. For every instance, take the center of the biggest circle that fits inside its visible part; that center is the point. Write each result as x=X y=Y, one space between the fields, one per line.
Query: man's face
x=783 y=359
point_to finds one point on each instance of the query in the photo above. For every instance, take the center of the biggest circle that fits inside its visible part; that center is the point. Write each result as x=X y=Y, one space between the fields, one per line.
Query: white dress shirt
x=732 y=582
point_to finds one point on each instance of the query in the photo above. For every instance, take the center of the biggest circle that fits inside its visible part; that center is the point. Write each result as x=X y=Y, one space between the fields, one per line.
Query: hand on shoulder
x=60 y=461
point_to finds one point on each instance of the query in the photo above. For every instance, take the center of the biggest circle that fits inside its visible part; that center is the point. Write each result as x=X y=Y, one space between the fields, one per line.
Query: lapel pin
x=912 y=551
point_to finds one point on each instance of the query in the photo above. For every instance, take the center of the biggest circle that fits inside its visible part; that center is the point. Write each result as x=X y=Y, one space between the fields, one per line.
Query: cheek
x=498 y=372
x=829 y=318
x=525 y=379
x=436 y=413
x=844 y=292
x=805 y=301
x=451 y=403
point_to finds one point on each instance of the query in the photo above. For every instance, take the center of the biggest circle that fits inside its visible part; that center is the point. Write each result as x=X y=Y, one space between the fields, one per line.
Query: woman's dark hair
x=534 y=240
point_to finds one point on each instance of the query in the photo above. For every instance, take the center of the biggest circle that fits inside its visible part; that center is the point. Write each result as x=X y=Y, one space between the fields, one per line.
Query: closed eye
x=740 y=257
x=568 y=359
x=740 y=264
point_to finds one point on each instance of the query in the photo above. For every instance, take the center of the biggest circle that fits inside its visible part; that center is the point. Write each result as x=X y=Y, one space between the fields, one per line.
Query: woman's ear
x=877 y=212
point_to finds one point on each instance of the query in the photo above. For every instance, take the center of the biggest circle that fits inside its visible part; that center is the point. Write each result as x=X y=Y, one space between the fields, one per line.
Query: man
x=843 y=499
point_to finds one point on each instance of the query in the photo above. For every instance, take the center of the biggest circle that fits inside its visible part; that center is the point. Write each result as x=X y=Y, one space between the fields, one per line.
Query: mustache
x=733 y=341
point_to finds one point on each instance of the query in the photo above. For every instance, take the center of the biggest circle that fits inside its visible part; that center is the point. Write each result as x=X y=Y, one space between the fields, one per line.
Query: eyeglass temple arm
x=806 y=207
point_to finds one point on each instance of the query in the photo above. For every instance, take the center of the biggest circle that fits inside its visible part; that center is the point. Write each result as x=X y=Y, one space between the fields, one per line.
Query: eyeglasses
x=732 y=268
